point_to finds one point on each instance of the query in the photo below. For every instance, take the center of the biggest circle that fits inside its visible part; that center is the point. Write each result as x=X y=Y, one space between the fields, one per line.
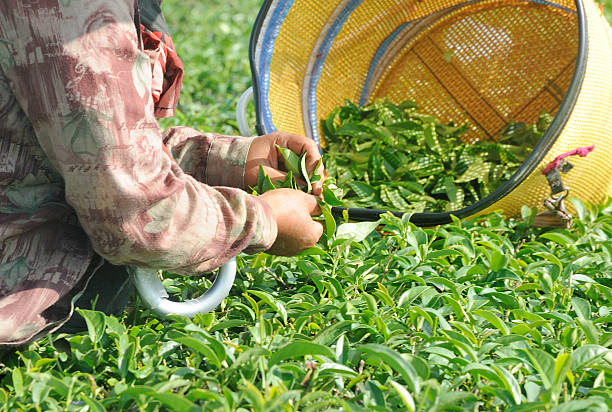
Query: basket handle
x=154 y=294
x=241 y=117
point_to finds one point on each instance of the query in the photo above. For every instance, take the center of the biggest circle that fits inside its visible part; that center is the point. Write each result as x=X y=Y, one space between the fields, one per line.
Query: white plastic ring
x=155 y=296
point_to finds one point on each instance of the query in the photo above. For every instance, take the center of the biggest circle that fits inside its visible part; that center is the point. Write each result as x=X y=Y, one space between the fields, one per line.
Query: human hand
x=293 y=211
x=263 y=152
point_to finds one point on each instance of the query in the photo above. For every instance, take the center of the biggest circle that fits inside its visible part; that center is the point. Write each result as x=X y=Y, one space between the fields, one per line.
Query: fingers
x=275 y=175
x=308 y=203
x=318 y=230
x=317 y=188
x=300 y=144
x=313 y=156
x=315 y=229
x=293 y=211
x=312 y=205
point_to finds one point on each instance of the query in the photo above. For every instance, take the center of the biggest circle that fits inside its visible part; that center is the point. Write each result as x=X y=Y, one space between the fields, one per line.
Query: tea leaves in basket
x=394 y=157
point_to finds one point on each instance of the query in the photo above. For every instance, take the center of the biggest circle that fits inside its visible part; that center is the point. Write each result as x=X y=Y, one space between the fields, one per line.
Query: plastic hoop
x=155 y=296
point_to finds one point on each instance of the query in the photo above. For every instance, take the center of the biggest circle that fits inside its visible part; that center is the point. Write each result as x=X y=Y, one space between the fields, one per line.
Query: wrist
x=231 y=154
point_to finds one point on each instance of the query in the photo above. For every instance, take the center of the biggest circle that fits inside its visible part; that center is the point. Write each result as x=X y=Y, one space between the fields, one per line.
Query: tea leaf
x=298 y=349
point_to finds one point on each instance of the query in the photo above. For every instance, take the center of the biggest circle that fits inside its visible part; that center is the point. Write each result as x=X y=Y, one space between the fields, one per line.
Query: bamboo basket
x=485 y=62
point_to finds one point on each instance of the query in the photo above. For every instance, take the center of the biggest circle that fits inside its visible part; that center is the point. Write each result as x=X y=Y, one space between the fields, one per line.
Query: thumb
x=311 y=204
x=317 y=229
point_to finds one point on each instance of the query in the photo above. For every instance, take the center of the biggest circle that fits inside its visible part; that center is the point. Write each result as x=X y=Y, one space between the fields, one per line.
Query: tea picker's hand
x=263 y=152
x=293 y=211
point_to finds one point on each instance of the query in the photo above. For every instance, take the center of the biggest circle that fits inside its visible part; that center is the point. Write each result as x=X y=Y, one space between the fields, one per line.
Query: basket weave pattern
x=484 y=62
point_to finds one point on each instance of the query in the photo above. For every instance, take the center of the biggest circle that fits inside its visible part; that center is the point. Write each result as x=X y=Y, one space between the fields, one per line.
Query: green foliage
x=484 y=314
x=211 y=38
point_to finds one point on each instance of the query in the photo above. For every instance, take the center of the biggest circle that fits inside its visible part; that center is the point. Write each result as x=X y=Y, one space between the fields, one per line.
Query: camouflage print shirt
x=83 y=168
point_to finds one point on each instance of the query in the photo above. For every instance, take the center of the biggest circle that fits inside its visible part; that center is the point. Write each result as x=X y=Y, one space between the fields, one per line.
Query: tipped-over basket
x=483 y=62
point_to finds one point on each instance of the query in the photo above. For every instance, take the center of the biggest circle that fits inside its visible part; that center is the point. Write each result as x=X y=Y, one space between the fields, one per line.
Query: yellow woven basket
x=485 y=62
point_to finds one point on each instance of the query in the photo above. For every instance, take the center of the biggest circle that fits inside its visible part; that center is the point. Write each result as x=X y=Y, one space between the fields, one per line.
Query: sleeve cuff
x=266 y=231
x=226 y=161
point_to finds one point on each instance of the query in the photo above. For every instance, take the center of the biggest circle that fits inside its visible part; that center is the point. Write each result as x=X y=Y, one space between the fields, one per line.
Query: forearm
x=158 y=216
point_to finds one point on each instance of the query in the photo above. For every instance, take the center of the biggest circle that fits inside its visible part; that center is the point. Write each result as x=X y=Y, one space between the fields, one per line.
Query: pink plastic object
x=581 y=151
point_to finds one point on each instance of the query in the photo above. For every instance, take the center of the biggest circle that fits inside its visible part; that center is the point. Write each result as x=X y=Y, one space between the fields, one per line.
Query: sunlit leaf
x=298 y=349
x=356 y=232
x=405 y=396
x=96 y=323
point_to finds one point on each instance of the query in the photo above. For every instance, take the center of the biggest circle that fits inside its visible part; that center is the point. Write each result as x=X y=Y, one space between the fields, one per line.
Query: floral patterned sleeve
x=79 y=75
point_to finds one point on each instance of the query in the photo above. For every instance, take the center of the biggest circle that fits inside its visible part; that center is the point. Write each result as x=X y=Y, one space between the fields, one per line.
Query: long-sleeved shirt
x=83 y=168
